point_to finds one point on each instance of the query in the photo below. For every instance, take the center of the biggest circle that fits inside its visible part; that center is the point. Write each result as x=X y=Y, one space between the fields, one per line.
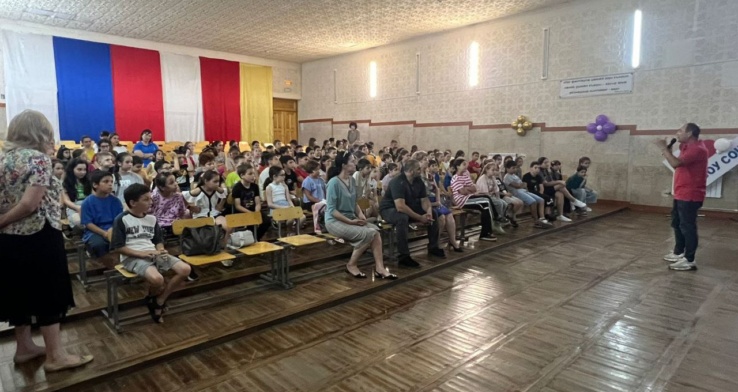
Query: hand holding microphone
x=661 y=143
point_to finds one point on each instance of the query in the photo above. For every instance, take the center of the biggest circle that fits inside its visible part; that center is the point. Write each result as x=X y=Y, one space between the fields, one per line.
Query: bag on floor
x=206 y=240
x=240 y=239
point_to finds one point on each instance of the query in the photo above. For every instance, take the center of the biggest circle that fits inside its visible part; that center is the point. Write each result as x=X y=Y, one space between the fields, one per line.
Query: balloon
x=722 y=145
x=521 y=118
x=609 y=128
x=600 y=136
x=527 y=125
x=514 y=124
x=601 y=119
x=591 y=127
x=521 y=132
x=599 y=127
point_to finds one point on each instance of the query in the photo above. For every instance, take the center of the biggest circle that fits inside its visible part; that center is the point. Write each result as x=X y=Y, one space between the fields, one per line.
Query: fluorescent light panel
x=637 y=29
x=473 y=64
x=373 y=79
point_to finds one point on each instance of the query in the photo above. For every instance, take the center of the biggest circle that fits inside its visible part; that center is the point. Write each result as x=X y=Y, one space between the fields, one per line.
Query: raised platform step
x=144 y=344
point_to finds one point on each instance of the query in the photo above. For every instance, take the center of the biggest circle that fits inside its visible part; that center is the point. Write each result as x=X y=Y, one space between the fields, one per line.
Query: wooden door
x=285 y=119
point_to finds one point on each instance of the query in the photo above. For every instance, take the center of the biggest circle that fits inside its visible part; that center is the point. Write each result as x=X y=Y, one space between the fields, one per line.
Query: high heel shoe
x=360 y=275
x=457 y=250
x=380 y=276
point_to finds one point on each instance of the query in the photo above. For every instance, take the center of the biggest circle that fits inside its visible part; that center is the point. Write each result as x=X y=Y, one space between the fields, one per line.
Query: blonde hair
x=29 y=129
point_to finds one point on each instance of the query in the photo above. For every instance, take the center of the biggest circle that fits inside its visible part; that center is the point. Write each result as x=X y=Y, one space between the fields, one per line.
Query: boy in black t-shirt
x=534 y=181
x=246 y=197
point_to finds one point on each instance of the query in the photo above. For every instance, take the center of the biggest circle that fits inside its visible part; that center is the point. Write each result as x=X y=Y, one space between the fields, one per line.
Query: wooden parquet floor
x=591 y=308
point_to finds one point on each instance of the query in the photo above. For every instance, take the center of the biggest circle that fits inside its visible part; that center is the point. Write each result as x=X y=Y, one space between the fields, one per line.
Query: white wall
x=689 y=72
x=689 y=69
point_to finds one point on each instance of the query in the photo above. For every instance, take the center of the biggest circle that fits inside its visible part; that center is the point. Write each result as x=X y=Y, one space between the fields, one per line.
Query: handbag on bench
x=206 y=240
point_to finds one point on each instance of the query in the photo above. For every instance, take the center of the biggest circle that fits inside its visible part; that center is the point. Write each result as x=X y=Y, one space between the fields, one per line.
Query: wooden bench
x=253 y=219
x=178 y=228
x=115 y=278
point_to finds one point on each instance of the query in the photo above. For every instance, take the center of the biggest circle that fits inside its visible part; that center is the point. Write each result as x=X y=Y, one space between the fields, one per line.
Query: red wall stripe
x=221 y=99
x=137 y=92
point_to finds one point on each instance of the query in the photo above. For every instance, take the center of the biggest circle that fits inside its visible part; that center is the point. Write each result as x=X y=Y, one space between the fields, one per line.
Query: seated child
x=77 y=187
x=140 y=242
x=246 y=198
x=486 y=185
x=277 y=193
x=139 y=169
x=519 y=190
x=313 y=193
x=125 y=176
x=508 y=197
x=99 y=210
x=576 y=186
x=589 y=195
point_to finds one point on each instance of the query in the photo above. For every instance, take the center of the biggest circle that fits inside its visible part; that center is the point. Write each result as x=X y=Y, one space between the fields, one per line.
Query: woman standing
x=35 y=281
x=344 y=218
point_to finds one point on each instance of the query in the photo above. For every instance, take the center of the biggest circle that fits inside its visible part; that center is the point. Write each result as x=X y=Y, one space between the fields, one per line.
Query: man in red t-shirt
x=690 y=184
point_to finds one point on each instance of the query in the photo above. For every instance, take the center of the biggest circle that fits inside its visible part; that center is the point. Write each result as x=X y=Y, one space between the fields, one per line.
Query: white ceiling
x=290 y=30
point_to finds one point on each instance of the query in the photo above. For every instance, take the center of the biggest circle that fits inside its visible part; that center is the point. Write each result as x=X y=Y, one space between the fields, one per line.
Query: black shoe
x=513 y=222
x=360 y=275
x=487 y=237
x=457 y=250
x=377 y=275
x=437 y=252
x=407 y=262
x=193 y=276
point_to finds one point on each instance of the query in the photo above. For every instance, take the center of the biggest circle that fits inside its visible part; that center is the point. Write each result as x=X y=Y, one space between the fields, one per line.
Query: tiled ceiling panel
x=291 y=30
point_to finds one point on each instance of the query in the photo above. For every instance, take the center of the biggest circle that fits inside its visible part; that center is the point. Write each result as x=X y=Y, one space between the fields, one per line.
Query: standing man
x=690 y=183
x=406 y=200
x=353 y=134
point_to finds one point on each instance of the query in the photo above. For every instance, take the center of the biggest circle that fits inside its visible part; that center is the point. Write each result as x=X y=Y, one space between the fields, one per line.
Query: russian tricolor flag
x=85 y=87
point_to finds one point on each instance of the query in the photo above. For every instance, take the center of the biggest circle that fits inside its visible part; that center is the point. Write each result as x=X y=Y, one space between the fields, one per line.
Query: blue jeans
x=684 y=222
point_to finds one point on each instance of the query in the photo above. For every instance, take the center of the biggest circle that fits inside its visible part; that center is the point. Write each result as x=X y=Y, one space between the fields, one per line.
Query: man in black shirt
x=405 y=199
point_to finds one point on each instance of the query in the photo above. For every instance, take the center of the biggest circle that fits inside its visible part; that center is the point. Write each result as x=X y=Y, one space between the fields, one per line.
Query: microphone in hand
x=671 y=143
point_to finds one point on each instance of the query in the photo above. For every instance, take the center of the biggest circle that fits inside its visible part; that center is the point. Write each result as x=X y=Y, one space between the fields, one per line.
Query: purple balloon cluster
x=601 y=128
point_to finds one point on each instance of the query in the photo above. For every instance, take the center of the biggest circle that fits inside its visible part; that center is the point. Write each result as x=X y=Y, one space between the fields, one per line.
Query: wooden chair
x=284 y=215
x=247 y=219
x=115 y=278
x=178 y=228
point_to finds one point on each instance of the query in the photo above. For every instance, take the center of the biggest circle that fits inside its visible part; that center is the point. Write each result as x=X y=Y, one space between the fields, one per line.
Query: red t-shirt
x=474 y=167
x=690 y=178
x=301 y=173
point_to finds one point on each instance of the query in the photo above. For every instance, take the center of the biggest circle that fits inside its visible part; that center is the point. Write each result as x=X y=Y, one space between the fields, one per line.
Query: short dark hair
x=104 y=134
x=311 y=166
x=494 y=157
x=353 y=124
x=534 y=163
x=136 y=191
x=98 y=176
x=242 y=169
x=137 y=160
x=362 y=164
x=145 y=131
x=391 y=166
x=159 y=164
x=300 y=155
x=584 y=159
x=580 y=168
x=510 y=164
x=285 y=158
x=693 y=129
x=82 y=139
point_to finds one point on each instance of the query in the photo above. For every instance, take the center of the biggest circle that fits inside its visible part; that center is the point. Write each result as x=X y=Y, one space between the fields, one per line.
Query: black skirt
x=34 y=276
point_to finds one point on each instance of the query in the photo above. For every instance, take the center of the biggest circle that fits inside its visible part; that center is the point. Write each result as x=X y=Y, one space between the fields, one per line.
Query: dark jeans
x=684 y=222
x=401 y=222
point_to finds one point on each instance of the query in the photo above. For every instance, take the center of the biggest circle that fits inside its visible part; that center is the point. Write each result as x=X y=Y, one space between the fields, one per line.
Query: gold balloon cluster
x=521 y=125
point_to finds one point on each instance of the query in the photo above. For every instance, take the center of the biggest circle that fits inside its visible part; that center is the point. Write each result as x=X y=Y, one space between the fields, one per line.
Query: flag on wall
x=86 y=87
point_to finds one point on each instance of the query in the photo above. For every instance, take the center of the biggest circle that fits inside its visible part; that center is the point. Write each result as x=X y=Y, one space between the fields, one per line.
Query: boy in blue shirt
x=98 y=213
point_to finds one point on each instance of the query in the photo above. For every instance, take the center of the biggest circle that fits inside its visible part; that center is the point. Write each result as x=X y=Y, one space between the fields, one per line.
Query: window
x=636 y=54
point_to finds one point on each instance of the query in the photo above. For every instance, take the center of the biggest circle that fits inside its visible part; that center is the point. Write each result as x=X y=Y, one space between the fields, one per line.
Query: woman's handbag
x=206 y=240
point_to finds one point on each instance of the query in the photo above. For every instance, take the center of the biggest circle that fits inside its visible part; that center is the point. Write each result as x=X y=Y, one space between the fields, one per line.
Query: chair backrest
x=243 y=219
x=363 y=203
x=285 y=214
x=298 y=194
x=244 y=146
x=179 y=225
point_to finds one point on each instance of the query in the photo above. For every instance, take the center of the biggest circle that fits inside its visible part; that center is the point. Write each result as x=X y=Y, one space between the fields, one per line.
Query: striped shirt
x=457 y=183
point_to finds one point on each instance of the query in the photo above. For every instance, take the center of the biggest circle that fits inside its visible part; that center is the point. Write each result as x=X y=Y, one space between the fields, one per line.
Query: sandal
x=83 y=360
x=153 y=307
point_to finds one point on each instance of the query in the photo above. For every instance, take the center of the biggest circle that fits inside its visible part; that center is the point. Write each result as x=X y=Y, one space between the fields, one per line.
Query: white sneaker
x=563 y=218
x=587 y=209
x=672 y=257
x=579 y=204
x=683 y=265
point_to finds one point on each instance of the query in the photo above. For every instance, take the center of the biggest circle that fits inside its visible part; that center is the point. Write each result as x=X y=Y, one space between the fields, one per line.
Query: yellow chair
x=284 y=215
x=247 y=219
x=178 y=227
x=244 y=146
x=124 y=272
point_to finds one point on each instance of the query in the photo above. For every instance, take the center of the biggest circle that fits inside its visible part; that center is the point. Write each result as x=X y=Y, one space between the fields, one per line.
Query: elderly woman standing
x=344 y=218
x=35 y=280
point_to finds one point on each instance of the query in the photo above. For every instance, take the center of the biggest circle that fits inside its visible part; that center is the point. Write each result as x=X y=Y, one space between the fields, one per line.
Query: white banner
x=596 y=85
x=182 y=92
x=30 y=75
x=717 y=166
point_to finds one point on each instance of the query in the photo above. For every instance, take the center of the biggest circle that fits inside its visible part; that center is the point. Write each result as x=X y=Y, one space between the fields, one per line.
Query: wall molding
x=633 y=129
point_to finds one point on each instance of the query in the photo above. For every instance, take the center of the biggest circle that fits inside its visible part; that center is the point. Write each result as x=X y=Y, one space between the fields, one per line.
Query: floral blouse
x=20 y=168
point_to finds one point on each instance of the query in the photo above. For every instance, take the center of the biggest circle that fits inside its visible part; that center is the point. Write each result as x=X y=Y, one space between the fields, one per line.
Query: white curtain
x=30 y=75
x=182 y=90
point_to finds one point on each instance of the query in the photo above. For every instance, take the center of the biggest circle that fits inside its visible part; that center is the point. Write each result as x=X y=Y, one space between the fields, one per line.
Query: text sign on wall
x=597 y=85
